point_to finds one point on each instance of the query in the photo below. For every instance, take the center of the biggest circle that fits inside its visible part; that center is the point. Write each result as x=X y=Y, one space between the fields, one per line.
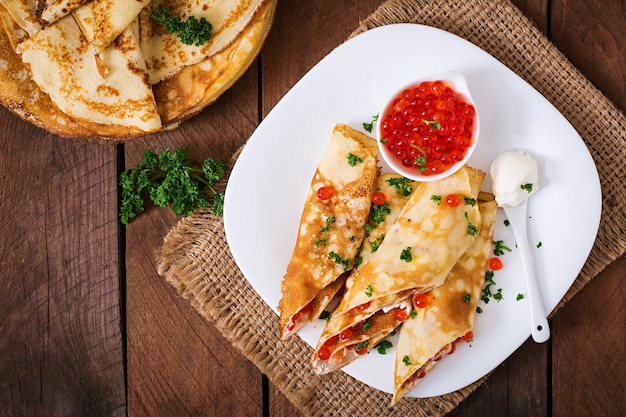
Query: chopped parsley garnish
x=369 y=291
x=354 y=159
x=420 y=161
x=467 y=298
x=436 y=198
x=527 y=187
x=506 y=222
x=358 y=260
x=499 y=247
x=325 y=230
x=413 y=314
x=339 y=260
x=471 y=229
x=479 y=310
x=325 y=315
x=377 y=242
x=368 y=126
x=487 y=292
x=382 y=346
x=520 y=296
x=401 y=185
x=432 y=123
x=190 y=32
x=378 y=212
x=538 y=245
x=406 y=361
x=468 y=201
x=362 y=345
x=168 y=179
x=406 y=255
x=366 y=325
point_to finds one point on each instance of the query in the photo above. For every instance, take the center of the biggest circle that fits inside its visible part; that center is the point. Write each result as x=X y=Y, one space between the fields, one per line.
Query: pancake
x=347 y=336
x=331 y=226
x=101 y=21
x=421 y=247
x=448 y=318
x=50 y=11
x=103 y=86
x=193 y=85
x=165 y=55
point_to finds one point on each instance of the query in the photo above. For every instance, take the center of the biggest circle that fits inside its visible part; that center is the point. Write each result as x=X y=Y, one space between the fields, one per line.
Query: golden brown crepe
x=346 y=336
x=86 y=83
x=448 y=318
x=101 y=21
x=421 y=247
x=191 y=86
x=165 y=55
x=331 y=226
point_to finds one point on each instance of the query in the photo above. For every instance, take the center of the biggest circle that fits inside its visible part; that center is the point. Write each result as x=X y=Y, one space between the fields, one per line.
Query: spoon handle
x=517 y=218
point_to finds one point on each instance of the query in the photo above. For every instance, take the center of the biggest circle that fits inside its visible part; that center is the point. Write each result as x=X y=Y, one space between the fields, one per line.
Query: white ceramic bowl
x=458 y=83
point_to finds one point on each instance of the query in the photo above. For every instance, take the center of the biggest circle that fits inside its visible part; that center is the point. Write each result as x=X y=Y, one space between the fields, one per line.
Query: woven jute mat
x=196 y=260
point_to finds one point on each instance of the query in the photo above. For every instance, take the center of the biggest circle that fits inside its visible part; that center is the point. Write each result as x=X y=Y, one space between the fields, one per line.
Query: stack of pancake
x=105 y=69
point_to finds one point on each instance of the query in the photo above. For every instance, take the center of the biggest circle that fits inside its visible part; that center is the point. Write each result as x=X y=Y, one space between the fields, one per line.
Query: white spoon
x=517 y=219
x=515 y=179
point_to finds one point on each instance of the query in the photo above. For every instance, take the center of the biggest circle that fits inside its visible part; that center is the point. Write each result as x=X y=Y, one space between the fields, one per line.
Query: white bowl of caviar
x=429 y=128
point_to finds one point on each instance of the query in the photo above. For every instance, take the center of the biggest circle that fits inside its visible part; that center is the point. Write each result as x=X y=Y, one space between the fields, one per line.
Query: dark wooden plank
x=178 y=363
x=61 y=344
x=588 y=348
x=592 y=34
x=589 y=332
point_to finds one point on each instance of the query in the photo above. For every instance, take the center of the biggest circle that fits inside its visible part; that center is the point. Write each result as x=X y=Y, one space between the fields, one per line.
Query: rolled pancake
x=331 y=229
x=421 y=247
x=438 y=327
x=346 y=336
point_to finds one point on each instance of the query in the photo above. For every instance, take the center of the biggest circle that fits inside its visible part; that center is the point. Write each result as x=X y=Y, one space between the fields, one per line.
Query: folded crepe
x=107 y=86
x=164 y=53
x=421 y=246
x=331 y=227
x=448 y=318
x=346 y=336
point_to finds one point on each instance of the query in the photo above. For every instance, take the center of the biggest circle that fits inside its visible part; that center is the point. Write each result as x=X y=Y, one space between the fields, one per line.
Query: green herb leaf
x=192 y=31
x=406 y=255
x=325 y=315
x=471 y=229
x=527 y=187
x=420 y=161
x=379 y=212
x=369 y=291
x=383 y=346
x=354 y=159
x=401 y=185
x=467 y=298
x=499 y=247
x=436 y=199
x=369 y=126
x=432 y=123
x=406 y=360
x=168 y=179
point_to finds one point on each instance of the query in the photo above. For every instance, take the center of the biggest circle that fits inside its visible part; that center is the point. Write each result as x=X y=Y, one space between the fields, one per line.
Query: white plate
x=267 y=187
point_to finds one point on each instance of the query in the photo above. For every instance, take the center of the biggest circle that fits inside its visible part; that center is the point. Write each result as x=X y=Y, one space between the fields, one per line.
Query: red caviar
x=428 y=127
x=495 y=264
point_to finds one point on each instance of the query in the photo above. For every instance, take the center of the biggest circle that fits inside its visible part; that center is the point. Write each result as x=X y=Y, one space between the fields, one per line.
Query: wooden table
x=89 y=328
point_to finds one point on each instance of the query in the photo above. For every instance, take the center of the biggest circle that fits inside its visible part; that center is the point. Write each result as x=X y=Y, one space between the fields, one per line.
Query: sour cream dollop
x=514 y=178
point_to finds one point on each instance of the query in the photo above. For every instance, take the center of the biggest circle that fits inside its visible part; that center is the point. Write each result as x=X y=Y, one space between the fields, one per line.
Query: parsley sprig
x=190 y=32
x=168 y=179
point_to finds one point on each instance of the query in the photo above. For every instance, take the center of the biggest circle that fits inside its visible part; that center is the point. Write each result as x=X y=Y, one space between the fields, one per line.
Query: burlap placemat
x=196 y=260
